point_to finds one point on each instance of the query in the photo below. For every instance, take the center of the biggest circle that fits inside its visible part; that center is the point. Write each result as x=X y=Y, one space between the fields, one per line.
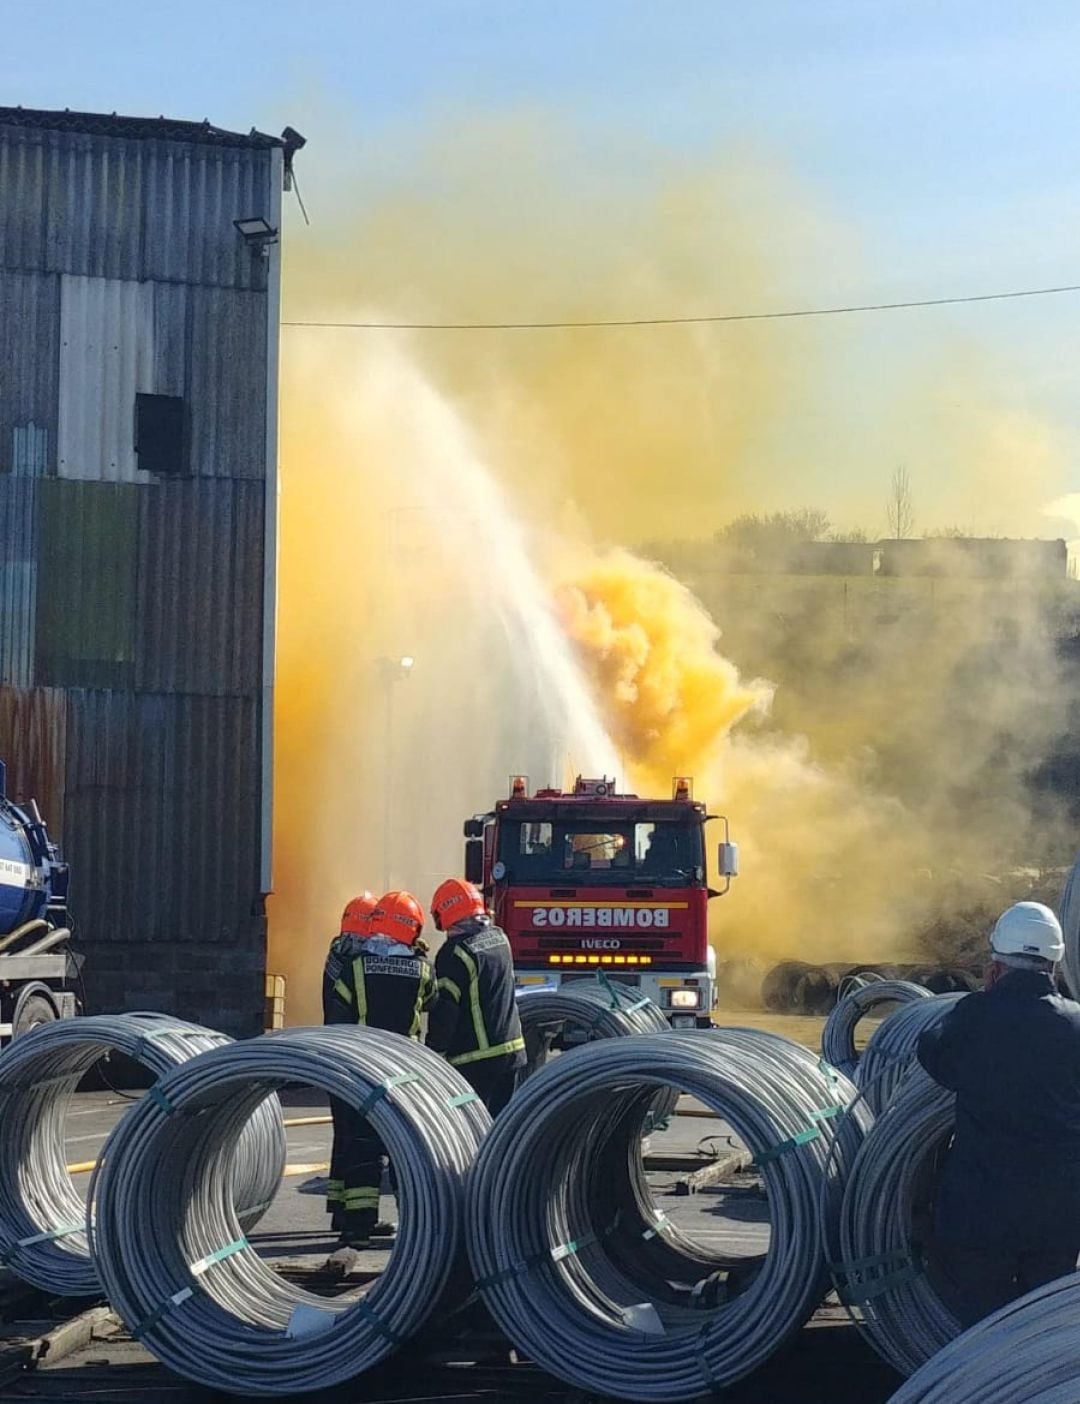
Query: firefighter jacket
x=1012 y=1056
x=475 y=1017
x=374 y=981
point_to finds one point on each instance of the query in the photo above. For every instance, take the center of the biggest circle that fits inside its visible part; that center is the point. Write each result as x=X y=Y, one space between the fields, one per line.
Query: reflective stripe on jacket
x=475 y=1017
x=376 y=982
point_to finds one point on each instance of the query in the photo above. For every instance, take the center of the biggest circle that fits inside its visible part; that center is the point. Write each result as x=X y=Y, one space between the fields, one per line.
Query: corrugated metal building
x=138 y=461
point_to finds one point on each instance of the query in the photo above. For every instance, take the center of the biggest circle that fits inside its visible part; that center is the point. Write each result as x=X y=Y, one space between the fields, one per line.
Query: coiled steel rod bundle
x=582 y=1010
x=890 y=1053
x=878 y=1249
x=42 y=1215
x=1023 y=1354
x=550 y=1252
x=838 y=1036
x=170 y=1251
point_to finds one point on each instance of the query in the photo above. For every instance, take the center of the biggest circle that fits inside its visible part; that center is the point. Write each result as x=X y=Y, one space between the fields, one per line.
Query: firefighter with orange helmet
x=475 y=1022
x=383 y=981
x=344 y=949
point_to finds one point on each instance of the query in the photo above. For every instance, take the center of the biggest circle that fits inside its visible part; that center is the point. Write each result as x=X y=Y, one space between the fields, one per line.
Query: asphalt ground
x=828 y=1364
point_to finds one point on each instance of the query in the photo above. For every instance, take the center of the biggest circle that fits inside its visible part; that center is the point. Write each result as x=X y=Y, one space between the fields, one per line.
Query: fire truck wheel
x=34 y=1011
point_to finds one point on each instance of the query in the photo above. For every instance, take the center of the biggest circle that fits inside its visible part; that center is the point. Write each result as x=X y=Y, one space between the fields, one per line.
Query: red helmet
x=397 y=915
x=454 y=900
x=354 y=919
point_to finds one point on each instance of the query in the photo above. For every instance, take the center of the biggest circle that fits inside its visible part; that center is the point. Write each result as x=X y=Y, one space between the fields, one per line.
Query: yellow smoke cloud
x=825 y=863
x=668 y=696
x=885 y=754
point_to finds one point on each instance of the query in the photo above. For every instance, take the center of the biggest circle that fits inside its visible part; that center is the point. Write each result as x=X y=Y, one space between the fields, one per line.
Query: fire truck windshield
x=586 y=850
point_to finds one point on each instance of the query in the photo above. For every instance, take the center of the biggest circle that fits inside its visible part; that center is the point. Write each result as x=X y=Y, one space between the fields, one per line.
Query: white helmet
x=1028 y=929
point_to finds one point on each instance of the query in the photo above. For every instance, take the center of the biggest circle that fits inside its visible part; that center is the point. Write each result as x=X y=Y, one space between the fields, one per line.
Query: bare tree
x=898 y=510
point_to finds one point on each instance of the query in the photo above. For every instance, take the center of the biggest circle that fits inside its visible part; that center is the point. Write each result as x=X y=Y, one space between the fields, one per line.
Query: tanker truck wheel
x=33 y=1012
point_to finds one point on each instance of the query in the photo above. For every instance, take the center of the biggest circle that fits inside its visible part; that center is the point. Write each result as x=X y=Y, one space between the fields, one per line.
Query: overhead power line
x=694 y=321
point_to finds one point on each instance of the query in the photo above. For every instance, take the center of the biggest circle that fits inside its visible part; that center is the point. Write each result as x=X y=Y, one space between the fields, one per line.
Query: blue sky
x=947 y=129
x=943 y=136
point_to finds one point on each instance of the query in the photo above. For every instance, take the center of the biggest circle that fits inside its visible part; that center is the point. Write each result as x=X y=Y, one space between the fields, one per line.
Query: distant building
x=139 y=308
x=975 y=558
x=953 y=557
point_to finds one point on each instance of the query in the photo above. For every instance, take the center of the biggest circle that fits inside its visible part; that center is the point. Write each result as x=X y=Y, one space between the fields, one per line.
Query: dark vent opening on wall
x=160 y=441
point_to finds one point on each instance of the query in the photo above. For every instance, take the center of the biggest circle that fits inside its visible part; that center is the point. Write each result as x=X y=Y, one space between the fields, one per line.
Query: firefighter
x=386 y=984
x=1007 y=1215
x=475 y=1022
x=344 y=949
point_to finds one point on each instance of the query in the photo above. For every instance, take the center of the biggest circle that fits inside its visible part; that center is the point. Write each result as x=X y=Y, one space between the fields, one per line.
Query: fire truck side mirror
x=474 y=828
x=727 y=861
x=474 y=861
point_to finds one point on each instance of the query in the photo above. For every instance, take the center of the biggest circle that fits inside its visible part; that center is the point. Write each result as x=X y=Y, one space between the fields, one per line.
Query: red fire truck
x=593 y=880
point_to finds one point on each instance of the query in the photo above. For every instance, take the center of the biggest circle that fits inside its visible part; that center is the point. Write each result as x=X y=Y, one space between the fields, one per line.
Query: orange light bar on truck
x=599 y=960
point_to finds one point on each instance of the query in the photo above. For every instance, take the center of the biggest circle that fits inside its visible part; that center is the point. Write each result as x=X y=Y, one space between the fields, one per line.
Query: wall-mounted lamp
x=258 y=233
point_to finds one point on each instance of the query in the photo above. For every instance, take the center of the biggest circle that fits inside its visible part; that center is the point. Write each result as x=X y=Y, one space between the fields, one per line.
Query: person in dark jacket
x=1007 y=1214
x=344 y=949
x=382 y=981
x=475 y=1022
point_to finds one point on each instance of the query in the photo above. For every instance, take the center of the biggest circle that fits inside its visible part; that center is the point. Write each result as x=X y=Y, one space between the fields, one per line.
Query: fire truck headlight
x=684 y=999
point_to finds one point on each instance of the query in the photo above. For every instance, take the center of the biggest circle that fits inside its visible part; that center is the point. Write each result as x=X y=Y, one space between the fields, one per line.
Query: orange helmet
x=454 y=900
x=397 y=915
x=354 y=919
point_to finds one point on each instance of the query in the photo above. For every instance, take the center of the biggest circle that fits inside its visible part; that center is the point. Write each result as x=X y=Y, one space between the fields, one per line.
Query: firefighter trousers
x=493 y=1080
x=356 y=1171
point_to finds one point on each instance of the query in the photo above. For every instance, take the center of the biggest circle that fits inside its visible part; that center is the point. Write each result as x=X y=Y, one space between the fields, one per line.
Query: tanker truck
x=38 y=969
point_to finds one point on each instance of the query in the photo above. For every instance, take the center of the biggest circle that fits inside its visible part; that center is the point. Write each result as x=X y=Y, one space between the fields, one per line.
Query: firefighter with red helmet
x=344 y=949
x=383 y=981
x=475 y=1022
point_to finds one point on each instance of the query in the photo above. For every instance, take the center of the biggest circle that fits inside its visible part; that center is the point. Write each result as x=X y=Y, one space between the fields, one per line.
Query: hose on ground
x=877 y=1250
x=838 y=1035
x=890 y=1053
x=42 y=1214
x=1023 y=1354
x=171 y=1254
x=566 y=1274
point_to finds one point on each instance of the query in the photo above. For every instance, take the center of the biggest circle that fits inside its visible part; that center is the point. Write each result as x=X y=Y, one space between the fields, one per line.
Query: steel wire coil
x=552 y=1254
x=838 y=1035
x=877 y=1249
x=1023 y=1354
x=579 y=1011
x=43 y=1235
x=582 y=1010
x=171 y=1254
x=890 y=1053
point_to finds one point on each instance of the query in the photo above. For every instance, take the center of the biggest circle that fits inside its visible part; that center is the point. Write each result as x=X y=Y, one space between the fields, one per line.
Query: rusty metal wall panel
x=18 y=578
x=115 y=207
x=33 y=742
x=106 y=356
x=162 y=817
x=200 y=583
x=87 y=572
x=29 y=370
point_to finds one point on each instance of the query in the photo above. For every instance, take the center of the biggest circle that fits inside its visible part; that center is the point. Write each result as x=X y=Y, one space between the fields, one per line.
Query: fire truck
x=592 y=881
